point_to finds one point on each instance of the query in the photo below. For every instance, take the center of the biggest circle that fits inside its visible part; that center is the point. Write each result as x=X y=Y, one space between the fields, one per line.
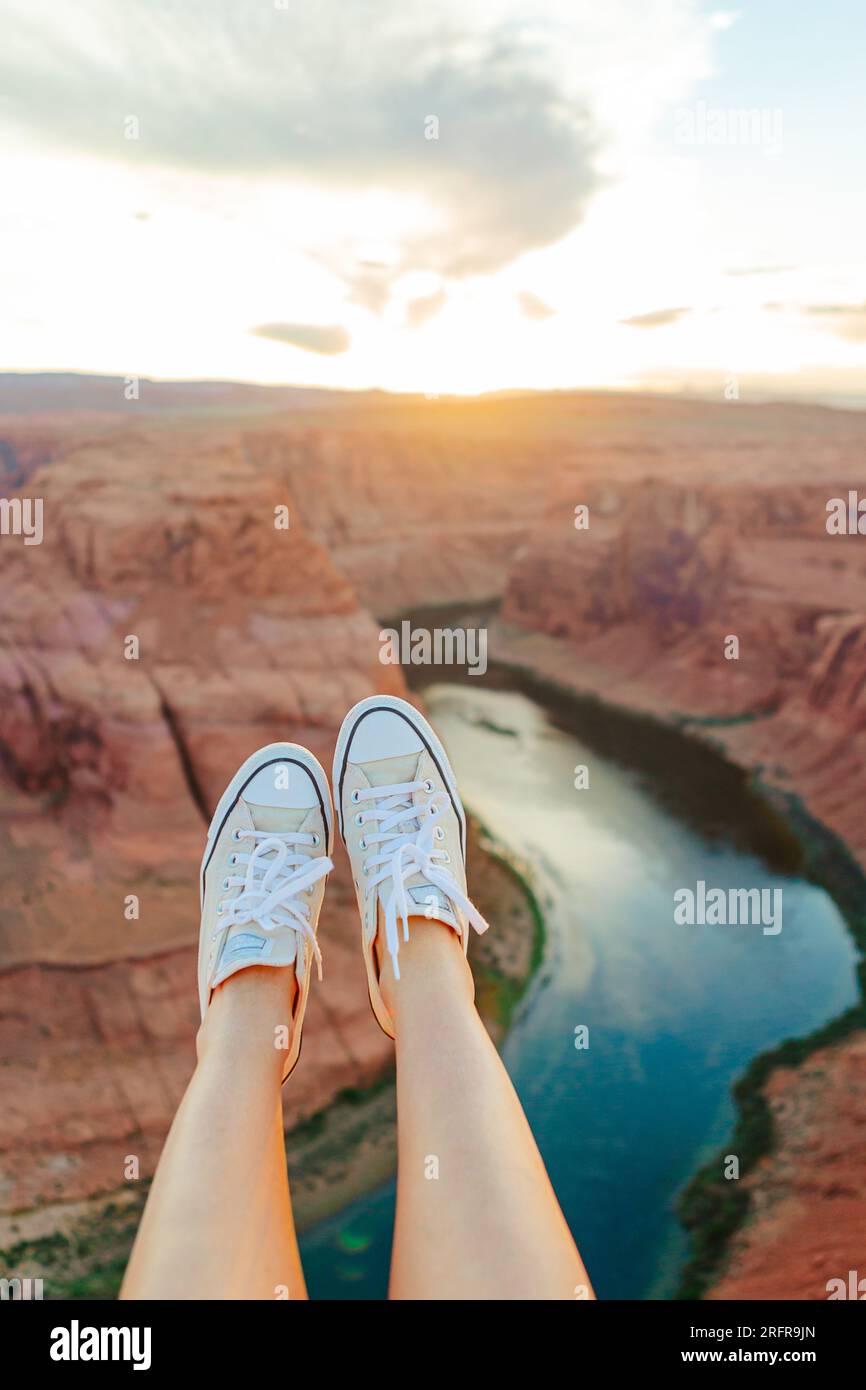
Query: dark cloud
x=533 y=307
x=656 y=319
x=326 y=339
x=333 y=93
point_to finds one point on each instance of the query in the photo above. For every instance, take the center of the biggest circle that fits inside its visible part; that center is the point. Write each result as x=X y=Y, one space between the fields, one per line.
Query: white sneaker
x=404 y=828
x=263 y=874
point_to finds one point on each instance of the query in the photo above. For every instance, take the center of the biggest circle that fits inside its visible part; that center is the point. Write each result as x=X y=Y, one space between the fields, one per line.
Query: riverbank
x=798 y=1143
x=799 y=1140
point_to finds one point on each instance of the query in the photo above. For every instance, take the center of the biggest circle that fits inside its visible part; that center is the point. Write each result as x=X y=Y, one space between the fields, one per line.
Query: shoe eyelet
x=233 y=859
x=366 y=870
x=439 y=833
x=236 y=833
x=219 y=909
x=317 y=839
x=428 y=786
x=446 y=858
x=362 y=844
x=224 y=885
x=358 y=818
x=356 y=796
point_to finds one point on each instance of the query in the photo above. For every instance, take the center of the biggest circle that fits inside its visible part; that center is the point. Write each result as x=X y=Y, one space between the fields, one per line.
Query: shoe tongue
x=429 y=900
x=276 y=818
x=391 y=772
x=249 y=945
x=388 y=772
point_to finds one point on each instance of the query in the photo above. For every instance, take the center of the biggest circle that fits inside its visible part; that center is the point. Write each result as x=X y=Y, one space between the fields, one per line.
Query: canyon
x=705 y=520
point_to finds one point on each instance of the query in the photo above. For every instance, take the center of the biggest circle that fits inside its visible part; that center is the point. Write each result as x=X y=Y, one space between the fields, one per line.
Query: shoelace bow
x=406 y=852
x=271 y=884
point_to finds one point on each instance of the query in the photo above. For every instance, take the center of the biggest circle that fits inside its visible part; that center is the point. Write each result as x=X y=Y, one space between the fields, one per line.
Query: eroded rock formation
x=706 y=522
x=163 y=629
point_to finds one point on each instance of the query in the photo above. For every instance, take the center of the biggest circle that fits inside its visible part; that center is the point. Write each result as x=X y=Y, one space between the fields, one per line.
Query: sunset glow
x=679 y=249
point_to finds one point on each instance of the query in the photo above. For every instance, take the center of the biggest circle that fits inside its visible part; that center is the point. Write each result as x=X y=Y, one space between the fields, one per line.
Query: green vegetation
x=87 y=1259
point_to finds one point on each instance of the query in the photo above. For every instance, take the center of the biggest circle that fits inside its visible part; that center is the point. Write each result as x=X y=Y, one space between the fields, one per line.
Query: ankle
x=432 y=959
x=250 y=1015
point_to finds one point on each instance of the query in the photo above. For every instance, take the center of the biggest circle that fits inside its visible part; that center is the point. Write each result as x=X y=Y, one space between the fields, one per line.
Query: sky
x=435 y=196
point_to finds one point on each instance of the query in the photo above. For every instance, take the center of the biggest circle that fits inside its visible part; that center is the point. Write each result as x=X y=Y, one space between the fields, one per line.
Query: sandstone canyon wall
x=705 y=521
x=111 y=766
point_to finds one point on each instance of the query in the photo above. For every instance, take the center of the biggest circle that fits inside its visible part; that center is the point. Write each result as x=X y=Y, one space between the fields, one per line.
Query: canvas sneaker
x=404 y=828
x=263 y=874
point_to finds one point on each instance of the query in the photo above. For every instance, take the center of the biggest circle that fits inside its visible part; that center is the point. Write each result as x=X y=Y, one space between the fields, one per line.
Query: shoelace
x=271 y=884
x=406 y=852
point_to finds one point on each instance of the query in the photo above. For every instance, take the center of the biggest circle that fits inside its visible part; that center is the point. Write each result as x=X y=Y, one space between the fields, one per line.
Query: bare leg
x=218 y=1222
x=489 y=1225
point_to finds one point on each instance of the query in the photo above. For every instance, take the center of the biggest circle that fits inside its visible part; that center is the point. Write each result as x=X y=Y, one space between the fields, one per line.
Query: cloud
x=845 y=320
x=339 y=96
x=422 y=310
x=533 y=307
x=656 y=319
x=326 y=339
x=724 y=19
x=836 y=308
x=332 y=93
x=759 y=270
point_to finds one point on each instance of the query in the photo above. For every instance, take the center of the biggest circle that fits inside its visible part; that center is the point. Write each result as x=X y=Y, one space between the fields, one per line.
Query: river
x=674 y=1013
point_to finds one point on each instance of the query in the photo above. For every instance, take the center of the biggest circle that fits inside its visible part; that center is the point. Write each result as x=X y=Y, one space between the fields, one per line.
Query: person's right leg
x=477 y=1217
x=218 y=1221
x=476 y=1214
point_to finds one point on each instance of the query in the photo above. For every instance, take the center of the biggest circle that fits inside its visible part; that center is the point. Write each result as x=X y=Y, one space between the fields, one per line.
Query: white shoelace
x=405 y=852
x=275 y=875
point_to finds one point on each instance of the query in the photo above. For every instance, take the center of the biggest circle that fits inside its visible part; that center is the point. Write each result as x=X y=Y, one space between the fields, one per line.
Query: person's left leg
x=218 y=1222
